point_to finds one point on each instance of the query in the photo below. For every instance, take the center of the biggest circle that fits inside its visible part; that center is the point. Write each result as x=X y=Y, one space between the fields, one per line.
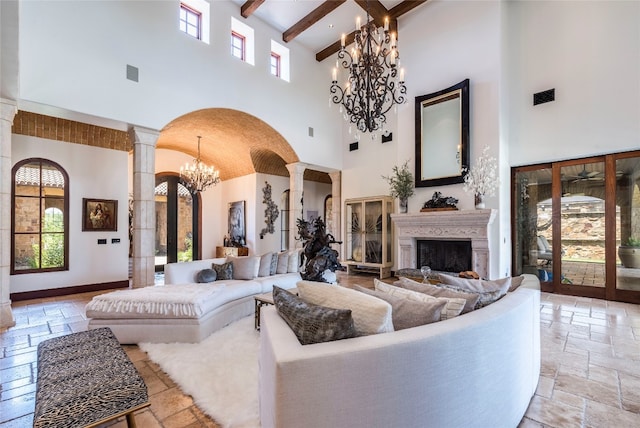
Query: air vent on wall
x=544 y=96
x=132 y=73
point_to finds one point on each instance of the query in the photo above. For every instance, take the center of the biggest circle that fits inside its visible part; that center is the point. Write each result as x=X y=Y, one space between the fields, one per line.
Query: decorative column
x=8 y=110
x=144 y=205
x=336 y=208
x=296 y=187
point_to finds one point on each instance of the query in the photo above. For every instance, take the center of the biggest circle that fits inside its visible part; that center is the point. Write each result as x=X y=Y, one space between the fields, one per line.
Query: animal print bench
x=85 y=379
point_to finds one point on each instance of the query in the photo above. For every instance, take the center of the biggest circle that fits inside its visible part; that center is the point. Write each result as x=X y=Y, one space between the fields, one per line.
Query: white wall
x=87 y=45
x=590 y=53
x=89 y=263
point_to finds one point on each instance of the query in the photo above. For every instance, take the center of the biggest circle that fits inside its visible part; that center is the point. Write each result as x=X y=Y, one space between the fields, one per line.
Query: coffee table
x=262 y=300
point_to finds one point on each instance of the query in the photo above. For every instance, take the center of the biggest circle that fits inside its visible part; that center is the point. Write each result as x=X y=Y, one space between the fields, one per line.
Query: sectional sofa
x=183 y=310
x=479 y=369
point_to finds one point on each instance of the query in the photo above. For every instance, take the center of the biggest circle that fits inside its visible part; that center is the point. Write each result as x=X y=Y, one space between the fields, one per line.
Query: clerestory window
x=190 y=21
x=40 y=229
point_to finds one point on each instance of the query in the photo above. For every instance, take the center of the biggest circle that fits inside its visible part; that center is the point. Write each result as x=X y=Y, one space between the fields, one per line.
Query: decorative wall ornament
x=271 y=212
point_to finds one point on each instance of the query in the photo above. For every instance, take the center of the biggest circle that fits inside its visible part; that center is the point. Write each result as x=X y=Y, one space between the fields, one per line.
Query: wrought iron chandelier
x=372 y=86
x=198 y=176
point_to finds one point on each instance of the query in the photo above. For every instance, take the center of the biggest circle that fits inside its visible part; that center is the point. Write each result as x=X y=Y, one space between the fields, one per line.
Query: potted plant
x=401 y=184
x=629 y=253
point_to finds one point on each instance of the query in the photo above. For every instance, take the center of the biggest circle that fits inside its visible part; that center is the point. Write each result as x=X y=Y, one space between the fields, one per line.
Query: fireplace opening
x=444 y=256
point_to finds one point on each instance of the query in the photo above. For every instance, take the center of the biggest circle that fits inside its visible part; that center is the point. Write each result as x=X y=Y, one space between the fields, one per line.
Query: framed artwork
x=99 y=215
x=236 y=223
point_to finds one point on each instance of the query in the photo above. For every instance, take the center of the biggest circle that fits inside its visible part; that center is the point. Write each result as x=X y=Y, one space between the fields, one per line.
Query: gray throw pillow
x=489 y=290
x=313 y=323
x=223 y=271
x=265 y=264
x=283 y=262
x=408 y=313
x=274 y=264
x=435 y=291
x=206 y=275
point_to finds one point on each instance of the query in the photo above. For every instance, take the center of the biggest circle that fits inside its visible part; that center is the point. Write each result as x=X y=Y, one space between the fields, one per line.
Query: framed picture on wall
x=99 y=215
x=236 y=223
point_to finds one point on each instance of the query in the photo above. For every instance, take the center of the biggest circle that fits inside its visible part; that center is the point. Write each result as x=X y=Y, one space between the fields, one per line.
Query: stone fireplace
x=464 y=225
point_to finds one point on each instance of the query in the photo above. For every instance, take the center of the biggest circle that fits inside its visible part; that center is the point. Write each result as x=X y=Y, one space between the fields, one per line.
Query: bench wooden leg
x=131 y=420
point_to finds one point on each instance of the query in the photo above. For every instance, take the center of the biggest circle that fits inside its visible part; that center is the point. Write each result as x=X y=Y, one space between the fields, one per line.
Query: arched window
x=39 y=226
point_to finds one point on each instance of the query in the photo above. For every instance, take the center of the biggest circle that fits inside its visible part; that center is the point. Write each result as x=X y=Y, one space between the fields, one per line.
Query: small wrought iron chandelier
x=198 y=176
x=373 y=86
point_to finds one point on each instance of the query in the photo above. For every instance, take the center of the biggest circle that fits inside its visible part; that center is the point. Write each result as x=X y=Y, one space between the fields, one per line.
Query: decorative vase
x=403 y=204
x=479 y=201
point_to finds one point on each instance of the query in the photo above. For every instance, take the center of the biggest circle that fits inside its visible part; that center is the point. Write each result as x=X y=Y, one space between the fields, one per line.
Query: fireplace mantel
x=472 y=225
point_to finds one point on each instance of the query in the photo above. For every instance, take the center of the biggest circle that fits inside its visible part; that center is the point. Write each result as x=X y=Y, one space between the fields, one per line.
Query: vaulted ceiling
x=319 y=24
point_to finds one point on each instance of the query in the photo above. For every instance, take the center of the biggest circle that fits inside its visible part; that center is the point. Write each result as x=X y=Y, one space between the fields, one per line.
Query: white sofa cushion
x=283 y=262
x=407 y=313
x=265 y=264
x=370 y=314
x=245 y=267
x=452 y=309
x=293 y=263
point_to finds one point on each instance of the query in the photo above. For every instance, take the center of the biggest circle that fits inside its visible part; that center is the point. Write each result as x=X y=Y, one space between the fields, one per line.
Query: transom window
x=275 y=64
x=238 y=48
x=39 y=238
x=190 y=21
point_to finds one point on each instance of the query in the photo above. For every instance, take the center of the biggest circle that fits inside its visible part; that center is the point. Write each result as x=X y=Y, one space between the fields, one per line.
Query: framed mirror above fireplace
x=442 y=136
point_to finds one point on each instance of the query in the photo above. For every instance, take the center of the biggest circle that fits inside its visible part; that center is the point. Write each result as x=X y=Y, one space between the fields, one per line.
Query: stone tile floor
x=590 y=375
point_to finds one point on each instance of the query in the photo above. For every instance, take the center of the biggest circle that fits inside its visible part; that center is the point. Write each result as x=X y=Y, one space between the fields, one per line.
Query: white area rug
x=220 y=373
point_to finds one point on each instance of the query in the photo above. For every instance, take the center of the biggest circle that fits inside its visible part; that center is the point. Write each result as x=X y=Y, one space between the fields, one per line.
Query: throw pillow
x=312 y=323
x=432 y=290
x=206 y=275
x=293 y=261
x=223 y=271
x=245 y=267
x=370 y=314
x=265 y=264
x=489 y=291
x=452 y=309
x=274 y=264
x=407 y=313
x=516 y=282
x=283 y=262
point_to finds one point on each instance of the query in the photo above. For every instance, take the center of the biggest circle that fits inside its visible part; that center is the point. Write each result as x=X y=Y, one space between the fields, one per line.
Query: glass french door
x=177 y=219
x=572 y=221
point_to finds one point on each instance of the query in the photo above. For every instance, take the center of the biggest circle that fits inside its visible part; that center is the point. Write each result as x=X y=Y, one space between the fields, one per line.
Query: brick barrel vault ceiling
x=236 y=143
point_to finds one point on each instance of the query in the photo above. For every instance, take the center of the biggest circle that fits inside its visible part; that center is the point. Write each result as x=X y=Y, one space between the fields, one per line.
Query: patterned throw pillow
x=452 y=309
x=408 y=313
x=206 y=275
x=435 y=291
x=313 y=323
x=274 y=264
x=223 y=271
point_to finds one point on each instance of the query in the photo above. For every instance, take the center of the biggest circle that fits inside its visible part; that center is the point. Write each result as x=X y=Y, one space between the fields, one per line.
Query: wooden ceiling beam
x=405 y=7
x=375 y=9
x=378 y=12
x=250 y=6
x=335 y=47
x=316 y=15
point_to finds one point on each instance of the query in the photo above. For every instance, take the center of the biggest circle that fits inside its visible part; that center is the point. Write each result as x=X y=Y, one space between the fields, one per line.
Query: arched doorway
x=177 y=210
